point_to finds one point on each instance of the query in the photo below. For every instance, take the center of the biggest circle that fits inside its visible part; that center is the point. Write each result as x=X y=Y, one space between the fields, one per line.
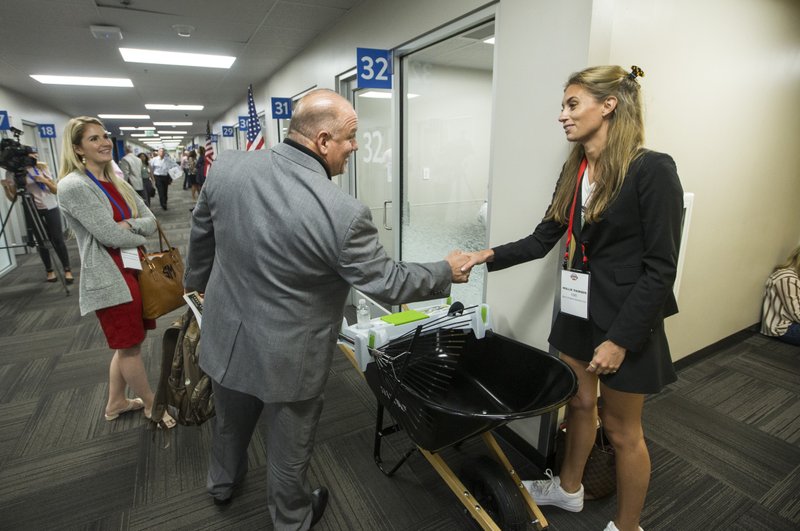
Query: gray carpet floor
x=724 y=439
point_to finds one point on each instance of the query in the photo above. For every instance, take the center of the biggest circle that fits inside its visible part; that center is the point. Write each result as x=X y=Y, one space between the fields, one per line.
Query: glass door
x=446 y=113
x=370 y=169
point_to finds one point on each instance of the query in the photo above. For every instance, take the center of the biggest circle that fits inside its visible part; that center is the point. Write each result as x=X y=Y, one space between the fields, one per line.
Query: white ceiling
x=53 y=37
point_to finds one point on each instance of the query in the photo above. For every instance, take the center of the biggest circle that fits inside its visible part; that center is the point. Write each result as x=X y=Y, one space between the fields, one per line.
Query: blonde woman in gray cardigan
x=110 y=221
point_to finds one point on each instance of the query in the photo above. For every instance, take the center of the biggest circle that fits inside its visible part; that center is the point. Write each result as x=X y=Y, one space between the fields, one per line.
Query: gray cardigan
x=91 y=216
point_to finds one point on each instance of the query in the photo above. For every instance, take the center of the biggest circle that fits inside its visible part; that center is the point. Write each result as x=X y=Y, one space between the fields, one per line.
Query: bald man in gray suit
x=275 y=246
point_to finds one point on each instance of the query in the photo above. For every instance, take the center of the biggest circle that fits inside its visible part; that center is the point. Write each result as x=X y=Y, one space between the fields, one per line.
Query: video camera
x=15 y=158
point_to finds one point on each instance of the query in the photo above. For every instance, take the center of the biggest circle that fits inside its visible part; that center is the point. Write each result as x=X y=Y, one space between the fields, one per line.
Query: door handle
x=385 y=226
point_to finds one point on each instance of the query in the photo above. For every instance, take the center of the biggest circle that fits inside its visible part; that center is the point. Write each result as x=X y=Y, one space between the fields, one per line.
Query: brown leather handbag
x=600 y=473
x=161 y=279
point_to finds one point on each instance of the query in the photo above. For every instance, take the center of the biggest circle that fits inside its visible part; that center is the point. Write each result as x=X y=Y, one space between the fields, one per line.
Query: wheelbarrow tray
x=497 y=380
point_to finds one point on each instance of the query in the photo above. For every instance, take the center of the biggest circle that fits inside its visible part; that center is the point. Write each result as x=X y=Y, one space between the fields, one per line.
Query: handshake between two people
x=461 y=263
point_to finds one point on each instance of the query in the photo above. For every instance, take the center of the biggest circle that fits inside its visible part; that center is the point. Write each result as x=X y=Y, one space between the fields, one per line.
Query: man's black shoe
x=319 y=500
x=221 y=502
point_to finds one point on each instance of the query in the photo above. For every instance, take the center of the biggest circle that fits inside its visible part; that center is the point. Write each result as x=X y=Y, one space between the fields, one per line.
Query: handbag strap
x=162 y=239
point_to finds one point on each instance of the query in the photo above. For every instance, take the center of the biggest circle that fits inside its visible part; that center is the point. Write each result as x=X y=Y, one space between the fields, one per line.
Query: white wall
x=20 y=108
x=722 y=89
x=537 y=45
x=374 y=24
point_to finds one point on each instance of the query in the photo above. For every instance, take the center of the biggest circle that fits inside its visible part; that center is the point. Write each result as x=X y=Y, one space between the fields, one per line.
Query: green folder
x=401 y=318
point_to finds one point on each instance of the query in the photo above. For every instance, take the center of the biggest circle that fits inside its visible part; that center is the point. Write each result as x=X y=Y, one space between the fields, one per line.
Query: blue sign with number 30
x=374 y=68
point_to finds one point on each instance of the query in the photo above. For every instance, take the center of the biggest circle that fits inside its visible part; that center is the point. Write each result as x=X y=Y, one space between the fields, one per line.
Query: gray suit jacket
x=275 y=246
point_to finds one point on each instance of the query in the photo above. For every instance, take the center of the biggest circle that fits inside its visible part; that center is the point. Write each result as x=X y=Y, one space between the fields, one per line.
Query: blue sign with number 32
x=374 y=68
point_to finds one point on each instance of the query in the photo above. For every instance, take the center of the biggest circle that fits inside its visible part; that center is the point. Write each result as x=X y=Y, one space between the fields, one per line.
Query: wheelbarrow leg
x=380 y=432
x=461 y=492
x=533 y=509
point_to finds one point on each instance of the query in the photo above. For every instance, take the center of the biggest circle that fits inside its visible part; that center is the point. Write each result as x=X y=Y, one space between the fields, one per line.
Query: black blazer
x=632 y=251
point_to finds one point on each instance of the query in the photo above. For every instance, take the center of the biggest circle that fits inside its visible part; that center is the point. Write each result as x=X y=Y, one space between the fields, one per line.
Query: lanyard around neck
x=113 y=201
x=581 y=170
x=36 y=172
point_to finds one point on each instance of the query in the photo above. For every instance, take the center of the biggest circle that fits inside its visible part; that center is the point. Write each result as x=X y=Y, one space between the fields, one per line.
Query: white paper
x=130 y=258
x=195 y=302
x=575 y=293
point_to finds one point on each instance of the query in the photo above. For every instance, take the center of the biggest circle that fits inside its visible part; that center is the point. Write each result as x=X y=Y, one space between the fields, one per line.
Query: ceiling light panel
x=172 y=107
x=172 y=123
x=163 y=57
x=124 y=117
x=83 y=81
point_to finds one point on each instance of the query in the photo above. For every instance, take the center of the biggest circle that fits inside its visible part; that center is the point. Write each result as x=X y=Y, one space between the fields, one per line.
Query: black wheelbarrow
x=443 y=385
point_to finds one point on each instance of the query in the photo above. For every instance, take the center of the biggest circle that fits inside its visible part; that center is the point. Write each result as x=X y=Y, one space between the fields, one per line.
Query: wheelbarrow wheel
x=493 y=488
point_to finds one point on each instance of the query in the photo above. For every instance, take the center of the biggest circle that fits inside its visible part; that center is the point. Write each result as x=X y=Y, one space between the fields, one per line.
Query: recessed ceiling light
x=124 y=116
x=183 y=30
x=172 y=123
x=83 y=81
x=172 y=107
x=163 y=57
x=171 y=132
x=376 y=95
x=490 y=40
x=142 y=128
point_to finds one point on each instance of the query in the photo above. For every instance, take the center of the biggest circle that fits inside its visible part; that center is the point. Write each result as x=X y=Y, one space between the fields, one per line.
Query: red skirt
x=123 y=324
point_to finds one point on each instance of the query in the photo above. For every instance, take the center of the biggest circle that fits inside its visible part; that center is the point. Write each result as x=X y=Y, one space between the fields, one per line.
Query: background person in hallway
x=200 y=170
x=108 y=217
x=780 y=311
x=131 y=167
x=147 y=178
x=160 y=165
x=191 y=173
x=275 y=246
x=627 y=204
x=42 y=188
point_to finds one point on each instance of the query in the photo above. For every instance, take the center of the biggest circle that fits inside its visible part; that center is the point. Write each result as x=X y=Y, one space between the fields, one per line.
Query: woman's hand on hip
x=608 y=356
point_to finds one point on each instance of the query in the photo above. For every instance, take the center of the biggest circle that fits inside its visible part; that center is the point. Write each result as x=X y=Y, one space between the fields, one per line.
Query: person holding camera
x=42 y=188
x=111 y=222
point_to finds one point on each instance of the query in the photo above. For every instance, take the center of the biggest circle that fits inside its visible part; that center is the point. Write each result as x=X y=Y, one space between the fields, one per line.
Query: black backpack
x=184 y=390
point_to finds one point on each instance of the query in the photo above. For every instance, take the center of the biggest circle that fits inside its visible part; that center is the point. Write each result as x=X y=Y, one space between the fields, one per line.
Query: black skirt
x=645 y=371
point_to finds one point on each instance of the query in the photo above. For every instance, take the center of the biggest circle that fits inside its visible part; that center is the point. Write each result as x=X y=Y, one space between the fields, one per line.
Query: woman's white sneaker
x=613 y=527
x=549 y=492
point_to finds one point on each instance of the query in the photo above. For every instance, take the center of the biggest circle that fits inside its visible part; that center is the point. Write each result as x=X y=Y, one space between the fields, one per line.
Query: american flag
x=255 y=140
x=209 y=149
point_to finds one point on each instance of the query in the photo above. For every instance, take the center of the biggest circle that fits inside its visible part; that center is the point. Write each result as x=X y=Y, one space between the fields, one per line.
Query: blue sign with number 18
x=47 y=130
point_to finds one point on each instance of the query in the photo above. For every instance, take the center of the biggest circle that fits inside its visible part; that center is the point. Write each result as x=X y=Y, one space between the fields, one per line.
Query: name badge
x=575 y=293
x=130 y=258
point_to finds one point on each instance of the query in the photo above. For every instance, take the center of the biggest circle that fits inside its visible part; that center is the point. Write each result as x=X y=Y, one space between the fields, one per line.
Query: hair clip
x=635 y=72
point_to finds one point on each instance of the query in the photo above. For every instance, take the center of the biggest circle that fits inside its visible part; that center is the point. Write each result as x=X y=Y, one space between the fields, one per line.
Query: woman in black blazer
x=621 y=206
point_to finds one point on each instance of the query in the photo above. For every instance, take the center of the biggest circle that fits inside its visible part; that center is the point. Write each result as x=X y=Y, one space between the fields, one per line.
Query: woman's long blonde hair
x=625 y=140
x=792 y=262
x=71 y=162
